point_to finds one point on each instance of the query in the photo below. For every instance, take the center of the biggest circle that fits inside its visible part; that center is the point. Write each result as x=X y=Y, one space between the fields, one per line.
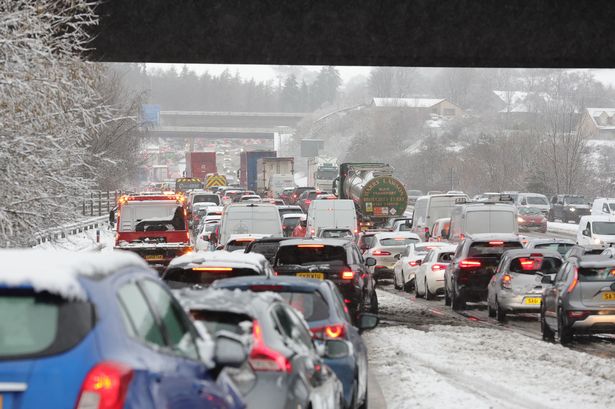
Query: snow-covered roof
x=391 y=235
x=220 y=259
x=603 y=118
x=406 y=102
x=517 y=101
x=235 y=301
x=57 y=271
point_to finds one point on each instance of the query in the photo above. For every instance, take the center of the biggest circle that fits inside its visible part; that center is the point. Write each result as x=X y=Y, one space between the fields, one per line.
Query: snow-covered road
x=471 y=366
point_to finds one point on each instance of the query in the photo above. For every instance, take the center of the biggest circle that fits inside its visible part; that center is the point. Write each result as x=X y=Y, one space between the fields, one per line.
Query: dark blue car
x=324 y=309
x=95 y=330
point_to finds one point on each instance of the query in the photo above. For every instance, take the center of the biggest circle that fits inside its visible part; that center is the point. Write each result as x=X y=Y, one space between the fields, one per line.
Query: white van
x=475 y=218
x=603 y=206
x=333 y=214
x=430 y=208
x=534 y=200
x=596 y=230
x=250 y=218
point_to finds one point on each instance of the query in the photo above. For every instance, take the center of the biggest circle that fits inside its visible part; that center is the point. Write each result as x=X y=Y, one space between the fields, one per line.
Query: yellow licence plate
x=609 y=296
x=151 y=257
x=318 y=276
x=531 y=300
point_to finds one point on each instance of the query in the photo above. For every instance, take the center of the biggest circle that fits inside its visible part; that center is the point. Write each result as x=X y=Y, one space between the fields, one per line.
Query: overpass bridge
x=217 y=125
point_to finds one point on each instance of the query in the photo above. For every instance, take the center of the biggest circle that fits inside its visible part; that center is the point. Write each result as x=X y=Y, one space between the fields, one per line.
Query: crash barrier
x=71 y=229
x=99 y=203
x=562 y=228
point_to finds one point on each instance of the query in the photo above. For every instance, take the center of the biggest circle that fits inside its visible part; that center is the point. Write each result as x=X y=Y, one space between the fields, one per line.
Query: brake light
x=530 y=263
x=578 y=315
x=575 y=281
x=496 y=243
x=187 y=237
x=212 y=269
x=414 y=263
x=105 y=386
x=438 y=267
x=506 y=279
x=469 y=263
x=310 y=246
x=335 y=331
x=381 y=253
x=347 y=275
x=262 y=358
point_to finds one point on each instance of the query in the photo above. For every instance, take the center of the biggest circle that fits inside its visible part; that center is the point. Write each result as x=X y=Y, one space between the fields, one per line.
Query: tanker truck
x=377 y=195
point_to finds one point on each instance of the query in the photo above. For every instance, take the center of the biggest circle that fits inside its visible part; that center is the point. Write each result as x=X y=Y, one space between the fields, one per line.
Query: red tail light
x=506 y=279
x=469 y=263
x=414 y=263
x=105 y=386
x=575 y=280
x=347 y=275
x=578 y=315
x=335 y=331
x=262 y=358
x=438 y=267
x=496 y=243
x=530 y=263
x=381 y=253
x=308 y=201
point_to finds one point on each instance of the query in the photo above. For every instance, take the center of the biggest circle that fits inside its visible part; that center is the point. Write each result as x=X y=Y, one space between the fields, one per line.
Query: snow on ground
x=475 y=367
x=564 y=228
x=83 y=241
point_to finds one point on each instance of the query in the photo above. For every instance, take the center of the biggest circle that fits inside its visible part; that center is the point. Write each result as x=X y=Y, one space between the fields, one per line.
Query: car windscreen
x=533 y=265
x=587 y=274
x=490 y=221
x=575 y=200
x=308 y=254
x=206 y=198
x=492 y=248
x=291 y=222
x=561 y=248
x=267 y=249
x=529 y=211
x=204 y=276
x=216 y=321
x=607 y=228
x=41 y=324
x=536 y=200
x=144 y=216
x=397 y=241
x=312 y=305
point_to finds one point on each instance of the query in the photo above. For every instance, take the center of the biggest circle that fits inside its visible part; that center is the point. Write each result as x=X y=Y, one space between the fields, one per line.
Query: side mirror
x=370 y=262
x=586 y=233
x=397 y=256
x=220 y=247
x=546 y=279
x=229 y=350
x=367 y=321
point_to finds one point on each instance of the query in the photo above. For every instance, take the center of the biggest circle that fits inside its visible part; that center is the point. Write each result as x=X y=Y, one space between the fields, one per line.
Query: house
x=598 y=123
x=427 y=106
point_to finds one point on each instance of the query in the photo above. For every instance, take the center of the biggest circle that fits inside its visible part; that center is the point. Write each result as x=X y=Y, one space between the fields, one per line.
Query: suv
x=333 y=259
x=475 y=261
x=568 y=208
x=581 y=299
x=294 y=196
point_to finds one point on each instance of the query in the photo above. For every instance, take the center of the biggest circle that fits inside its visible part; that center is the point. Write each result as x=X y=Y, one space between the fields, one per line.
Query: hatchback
x=384 y=249
x=91 y=330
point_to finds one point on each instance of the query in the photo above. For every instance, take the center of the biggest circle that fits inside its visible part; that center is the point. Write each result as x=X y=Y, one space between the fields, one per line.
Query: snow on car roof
x=222 y=257
x=235 y=301
x=404 y=234
x=57 y=271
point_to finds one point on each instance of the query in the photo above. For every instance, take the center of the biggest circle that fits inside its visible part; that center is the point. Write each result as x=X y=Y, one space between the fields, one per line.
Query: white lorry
x=596 y=231
x=273 y=175
x=321 y=174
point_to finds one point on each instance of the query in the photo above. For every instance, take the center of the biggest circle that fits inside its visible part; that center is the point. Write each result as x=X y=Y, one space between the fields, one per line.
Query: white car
x=251 y=198
x=241 y=241
x=384 y=248
x=203 y=238
x=430 y=275
x=409 y=261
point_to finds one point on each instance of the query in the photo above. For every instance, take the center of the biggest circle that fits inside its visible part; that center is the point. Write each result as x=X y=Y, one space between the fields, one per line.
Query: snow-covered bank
x=475 y=367
x=562 y=228
x=83 y=241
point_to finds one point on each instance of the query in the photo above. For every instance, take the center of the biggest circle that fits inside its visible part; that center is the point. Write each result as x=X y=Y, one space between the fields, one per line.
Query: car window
x=311 y=304
x=339 y=302
x=300 y=333
x=533 y=265
x=446 y=257
x=138 y=318
x=175 y=323
x=560 y=274
x=588 y=274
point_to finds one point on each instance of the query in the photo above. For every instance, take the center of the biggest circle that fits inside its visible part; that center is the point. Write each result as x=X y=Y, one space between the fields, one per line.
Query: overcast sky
x=272 y=72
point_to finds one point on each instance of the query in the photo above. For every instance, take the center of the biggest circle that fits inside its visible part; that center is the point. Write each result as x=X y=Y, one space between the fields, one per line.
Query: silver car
x=517 y=285
x=581 y=299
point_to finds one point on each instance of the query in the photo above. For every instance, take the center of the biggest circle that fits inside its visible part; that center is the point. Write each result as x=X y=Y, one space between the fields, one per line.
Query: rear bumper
x=600 y=321
x=383 y=272
x=475 y=294
x=515 y=303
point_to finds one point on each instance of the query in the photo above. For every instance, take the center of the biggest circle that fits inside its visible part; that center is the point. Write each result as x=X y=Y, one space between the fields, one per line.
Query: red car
x=531 y=219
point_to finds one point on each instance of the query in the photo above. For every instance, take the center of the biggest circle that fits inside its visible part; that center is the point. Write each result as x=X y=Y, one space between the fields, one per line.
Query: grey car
x=543 y=243
x=581 y=299
x=285 y=368
x=516 y=286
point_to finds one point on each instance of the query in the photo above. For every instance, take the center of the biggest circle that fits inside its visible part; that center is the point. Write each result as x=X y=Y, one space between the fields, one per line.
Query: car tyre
x=500 y=314
x=365 y=403
x=428 y=294
x=408 y=286
x=564 y=332
x=373 y=303
x=547 y=332
x=395 y=283
x=490 y=311
x=456 y=302
x=447 y=297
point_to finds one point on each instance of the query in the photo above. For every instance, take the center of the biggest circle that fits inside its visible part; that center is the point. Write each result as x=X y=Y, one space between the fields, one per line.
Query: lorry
x=321 y=174
x=155 y=227
x=273 y=175
x=247 y=167
x=182 y=185
x=199 y=164
x=377 y=195
x=213 y=179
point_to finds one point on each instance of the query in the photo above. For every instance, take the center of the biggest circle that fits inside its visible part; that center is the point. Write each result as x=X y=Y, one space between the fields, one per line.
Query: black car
x=568 y=208
x=267 y=246
x=466 y=278
x=294 y=196
x=333 y=259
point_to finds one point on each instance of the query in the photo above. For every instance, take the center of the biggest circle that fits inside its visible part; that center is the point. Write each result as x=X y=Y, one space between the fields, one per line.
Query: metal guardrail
x=99 y=203
x=71 y=229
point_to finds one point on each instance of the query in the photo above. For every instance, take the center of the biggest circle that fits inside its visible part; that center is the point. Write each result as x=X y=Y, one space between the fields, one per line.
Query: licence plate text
x=154 y=257
x=609 y=296
x=531 y=300
x=318 y=276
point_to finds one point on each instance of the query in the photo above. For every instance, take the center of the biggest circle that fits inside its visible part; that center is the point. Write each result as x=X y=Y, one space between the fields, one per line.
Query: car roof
x=289 y=215
x=405 y=234
x=216 y=299
x=529 y=252
x=596 y=261
x=285 y=207
x=306 y=284
x=227 y=259
x=326 y=242
x=542 y=240
x=493 y=236
x=271 y=239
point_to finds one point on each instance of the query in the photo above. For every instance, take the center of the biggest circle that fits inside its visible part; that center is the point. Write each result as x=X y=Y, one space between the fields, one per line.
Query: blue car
x=96 y=330
x=324 y=309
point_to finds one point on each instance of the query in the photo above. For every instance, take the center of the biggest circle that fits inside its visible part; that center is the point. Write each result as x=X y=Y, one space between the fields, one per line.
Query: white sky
x=268 y=72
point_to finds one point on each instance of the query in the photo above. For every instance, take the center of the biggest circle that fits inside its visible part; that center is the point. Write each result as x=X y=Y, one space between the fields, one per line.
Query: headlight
x=520 y=220
x=572 y=209
x=598 y=241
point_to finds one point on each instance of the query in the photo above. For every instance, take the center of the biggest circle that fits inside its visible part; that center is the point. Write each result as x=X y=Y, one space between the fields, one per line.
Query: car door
x=551 y=295
x=495 y=279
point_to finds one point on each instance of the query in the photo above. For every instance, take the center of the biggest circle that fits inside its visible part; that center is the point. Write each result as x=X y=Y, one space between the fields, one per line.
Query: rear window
x=492 y=248
x=312 y=305
x=40 y=324
x=311 y=254
x=597 y=274
x=291 y=221
x=533 y=265
x=561 y=248
x=206 y=198
x=536 y=200
x=180 y=278
x=216 y=321
x=446 y=257
x=267 y=249
x=398 y=241
x=236 y=245
x=336 y=234
x=290 y=210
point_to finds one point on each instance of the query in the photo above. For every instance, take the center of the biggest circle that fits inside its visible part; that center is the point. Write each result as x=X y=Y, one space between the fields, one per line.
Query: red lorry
x=199 y=164
x=155 y=227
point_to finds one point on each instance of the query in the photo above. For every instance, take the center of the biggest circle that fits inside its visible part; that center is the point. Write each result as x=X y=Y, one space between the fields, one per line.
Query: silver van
x=430 y=208
x=486 y=217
